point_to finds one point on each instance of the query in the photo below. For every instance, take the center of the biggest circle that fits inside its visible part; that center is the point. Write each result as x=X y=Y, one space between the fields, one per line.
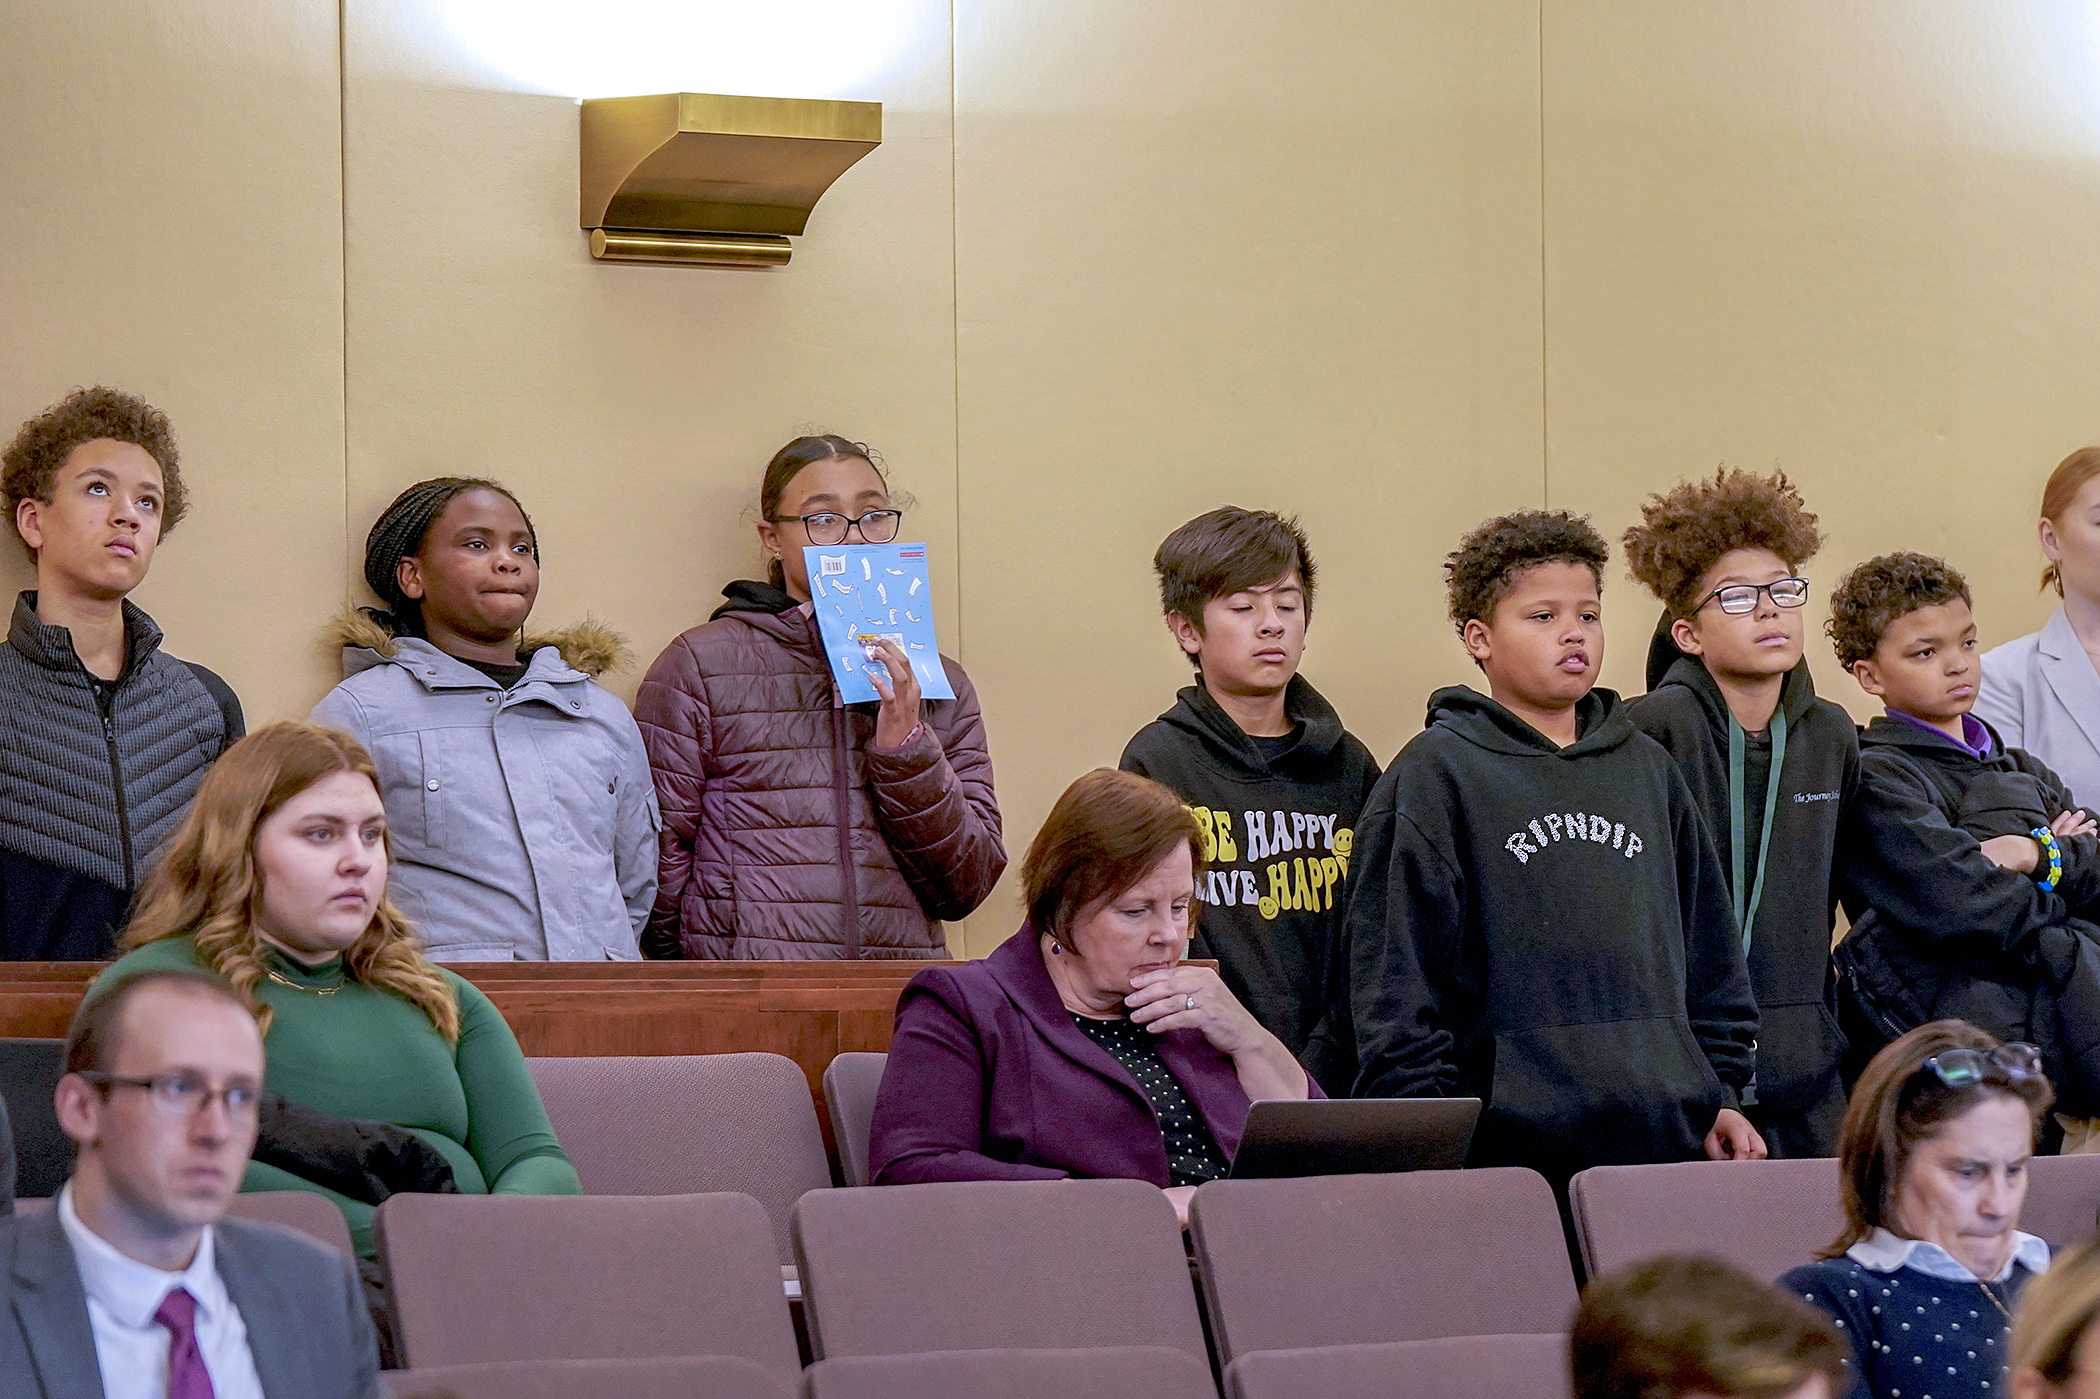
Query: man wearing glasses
x=133 y=1287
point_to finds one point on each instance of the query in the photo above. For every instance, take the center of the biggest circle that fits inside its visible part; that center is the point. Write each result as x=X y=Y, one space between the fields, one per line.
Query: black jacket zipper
x=106 y=701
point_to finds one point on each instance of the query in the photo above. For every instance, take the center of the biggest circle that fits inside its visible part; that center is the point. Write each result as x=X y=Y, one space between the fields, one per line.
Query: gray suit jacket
x=307 y=1325
x=2041 y=694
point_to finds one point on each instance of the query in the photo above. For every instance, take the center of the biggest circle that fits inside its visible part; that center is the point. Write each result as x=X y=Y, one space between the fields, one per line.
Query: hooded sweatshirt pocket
x=1608 y=1093
x=1798 y=1047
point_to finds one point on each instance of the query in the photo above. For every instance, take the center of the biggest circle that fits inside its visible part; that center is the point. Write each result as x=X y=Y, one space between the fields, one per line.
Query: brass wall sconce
x=695 y=178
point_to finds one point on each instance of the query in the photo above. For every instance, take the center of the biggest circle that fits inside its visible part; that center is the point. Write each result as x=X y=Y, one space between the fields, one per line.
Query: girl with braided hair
x=517 y=790
x=797 y=827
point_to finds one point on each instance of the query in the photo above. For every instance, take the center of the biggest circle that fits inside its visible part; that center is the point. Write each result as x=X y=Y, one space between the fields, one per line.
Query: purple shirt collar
x=1975 y=739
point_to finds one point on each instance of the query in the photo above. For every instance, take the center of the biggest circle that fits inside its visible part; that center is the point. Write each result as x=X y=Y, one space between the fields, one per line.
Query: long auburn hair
x=207 y=883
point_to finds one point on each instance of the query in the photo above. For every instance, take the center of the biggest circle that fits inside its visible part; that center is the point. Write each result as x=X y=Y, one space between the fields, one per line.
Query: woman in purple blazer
x=1082 y=1046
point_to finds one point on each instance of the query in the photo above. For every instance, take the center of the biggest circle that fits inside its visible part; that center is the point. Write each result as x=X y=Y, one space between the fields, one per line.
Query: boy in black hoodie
x=1770 y=765
x=1971 y=882
x=1274 y=779
x=1539 y=918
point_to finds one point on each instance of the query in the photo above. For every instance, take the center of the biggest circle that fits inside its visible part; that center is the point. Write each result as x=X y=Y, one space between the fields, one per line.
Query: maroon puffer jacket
x=785 y=836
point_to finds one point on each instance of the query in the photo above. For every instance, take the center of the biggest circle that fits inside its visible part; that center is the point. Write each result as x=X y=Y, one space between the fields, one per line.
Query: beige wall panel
x=632 y=408
x=1854 y=241
x=1282 y=257
x=172 y=218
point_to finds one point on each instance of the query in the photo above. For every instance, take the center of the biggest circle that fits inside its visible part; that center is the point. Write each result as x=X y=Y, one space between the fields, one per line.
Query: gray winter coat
x=94 y=793
x=524 y=821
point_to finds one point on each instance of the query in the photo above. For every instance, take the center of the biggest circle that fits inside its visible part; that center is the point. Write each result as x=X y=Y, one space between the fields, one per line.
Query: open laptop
x=1354 y=1136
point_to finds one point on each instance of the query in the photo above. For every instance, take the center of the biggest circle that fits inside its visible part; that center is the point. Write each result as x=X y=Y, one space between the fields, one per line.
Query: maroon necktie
x=187 y=1377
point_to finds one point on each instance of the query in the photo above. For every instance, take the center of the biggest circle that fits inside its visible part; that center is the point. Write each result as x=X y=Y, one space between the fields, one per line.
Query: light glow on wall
x=614 y=48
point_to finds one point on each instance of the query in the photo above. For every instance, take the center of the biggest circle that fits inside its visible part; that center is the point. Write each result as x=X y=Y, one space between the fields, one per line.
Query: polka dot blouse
x=1914 y=1336
x=1192 y=1156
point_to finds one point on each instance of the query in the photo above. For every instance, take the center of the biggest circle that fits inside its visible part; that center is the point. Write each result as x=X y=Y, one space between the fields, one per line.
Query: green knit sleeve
x=507 y=1128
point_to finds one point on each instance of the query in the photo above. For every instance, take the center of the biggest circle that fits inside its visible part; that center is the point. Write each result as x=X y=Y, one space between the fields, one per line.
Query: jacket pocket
x=412 y=778
x=1610 y=1093
x=1798 y=1047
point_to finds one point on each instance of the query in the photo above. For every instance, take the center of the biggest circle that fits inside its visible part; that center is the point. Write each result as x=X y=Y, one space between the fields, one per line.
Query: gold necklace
x=340 y=982
x=1994 y=1301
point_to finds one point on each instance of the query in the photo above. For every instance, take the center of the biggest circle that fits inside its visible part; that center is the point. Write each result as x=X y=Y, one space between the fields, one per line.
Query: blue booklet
x=865 y=591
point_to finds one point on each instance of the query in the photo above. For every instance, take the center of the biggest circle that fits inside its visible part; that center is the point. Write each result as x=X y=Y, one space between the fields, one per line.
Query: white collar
x=131 y=1291
x=1885 y=1253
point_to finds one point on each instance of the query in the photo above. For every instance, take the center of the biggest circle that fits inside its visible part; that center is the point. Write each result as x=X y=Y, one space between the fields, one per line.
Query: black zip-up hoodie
x=1277 y=834
x=1547 y=929
x=1939 y=930
x=1798 y=1043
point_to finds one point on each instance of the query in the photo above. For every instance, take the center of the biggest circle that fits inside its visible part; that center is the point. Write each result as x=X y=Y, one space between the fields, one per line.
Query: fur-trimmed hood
x=589 y=645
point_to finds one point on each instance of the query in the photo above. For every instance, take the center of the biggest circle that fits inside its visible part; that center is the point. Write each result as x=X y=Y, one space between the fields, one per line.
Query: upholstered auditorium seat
x=2063 y=1198
x=1123 y=1372
x=850 y=1084
x=481 y=1278
x=686 y=1124
x=1476 y=1367
x=674 y=1377
x=1023 y=1265
x=29 y=1074
x=301 y=1210
x=1763 y=1216
x=1347 y=1260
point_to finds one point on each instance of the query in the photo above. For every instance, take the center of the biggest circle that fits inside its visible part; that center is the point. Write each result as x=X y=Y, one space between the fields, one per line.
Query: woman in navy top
x=1934 y=1167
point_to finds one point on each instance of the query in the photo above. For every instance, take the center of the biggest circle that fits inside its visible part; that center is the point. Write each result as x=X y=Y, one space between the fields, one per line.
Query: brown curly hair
x=1479 y=573
x=1683 y=532
x=207 y=883
x=1879 y=591
x=32 y=461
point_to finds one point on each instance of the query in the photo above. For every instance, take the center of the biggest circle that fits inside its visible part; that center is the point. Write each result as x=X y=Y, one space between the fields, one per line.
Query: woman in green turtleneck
x=276 y=881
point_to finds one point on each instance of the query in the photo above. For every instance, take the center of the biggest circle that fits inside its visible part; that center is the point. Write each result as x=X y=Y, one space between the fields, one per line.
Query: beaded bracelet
x=2046 y=838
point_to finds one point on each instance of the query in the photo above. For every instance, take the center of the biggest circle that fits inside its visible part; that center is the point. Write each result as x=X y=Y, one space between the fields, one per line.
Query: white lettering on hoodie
x=1572 y=825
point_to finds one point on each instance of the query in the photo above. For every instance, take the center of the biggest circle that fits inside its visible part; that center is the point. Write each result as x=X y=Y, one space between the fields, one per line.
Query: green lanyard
x=1748 y=892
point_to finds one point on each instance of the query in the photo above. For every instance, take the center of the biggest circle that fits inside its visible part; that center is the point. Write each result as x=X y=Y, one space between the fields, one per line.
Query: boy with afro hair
x=1771 y=766
x=1539 y=918
x=107 y=736
x=1972 y=883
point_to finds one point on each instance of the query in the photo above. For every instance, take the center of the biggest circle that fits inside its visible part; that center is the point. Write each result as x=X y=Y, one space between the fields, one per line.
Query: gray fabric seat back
x=688 y=1124
x=676 y=1377
x=994 y=1264
x=1348 y=1260
x=850 y=1083
x=1121 y=1372
x=1478 y=1367
x=1763 y=1216
x=2063 y=1198
x=481 y=1278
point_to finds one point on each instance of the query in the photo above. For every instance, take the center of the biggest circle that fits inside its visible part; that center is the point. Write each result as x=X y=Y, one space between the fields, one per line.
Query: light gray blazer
x=2041 y=694
x=307 y=1325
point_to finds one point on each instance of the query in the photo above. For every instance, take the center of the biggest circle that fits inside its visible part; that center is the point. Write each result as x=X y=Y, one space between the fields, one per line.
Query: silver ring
x=1190 y=1004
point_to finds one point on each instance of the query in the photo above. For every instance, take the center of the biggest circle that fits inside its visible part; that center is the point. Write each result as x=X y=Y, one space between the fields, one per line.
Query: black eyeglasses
x=1738 y=598
x=1965 y=1068
x=187 y=1094
x=829 y=527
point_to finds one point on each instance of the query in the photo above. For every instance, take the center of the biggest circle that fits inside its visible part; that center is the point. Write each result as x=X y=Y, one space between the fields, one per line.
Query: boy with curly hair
x=1540 y=919
x=1771 y=766
x=1972 y=883
x=1273 y=778
x=106 y=736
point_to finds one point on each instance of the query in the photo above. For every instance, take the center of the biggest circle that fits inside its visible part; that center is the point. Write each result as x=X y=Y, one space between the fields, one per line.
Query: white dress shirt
x=132 y=1348
x=1885 y=1252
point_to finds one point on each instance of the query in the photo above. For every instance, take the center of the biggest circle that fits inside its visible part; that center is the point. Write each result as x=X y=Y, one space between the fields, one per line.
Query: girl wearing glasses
x=1772 y=767
x=1933 y=1170
x=796 y=827
x=2042 y=691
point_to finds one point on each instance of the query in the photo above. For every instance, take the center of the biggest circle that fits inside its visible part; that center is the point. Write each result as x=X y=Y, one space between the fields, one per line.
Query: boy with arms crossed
x=1274 y=779
x=1769 y=765
x=106 y=736
x=1971 y=882
x=1539 y=918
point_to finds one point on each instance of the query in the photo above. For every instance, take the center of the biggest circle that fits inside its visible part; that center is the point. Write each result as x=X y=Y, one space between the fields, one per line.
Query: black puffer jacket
x=1939 y=930
x=92 y=780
